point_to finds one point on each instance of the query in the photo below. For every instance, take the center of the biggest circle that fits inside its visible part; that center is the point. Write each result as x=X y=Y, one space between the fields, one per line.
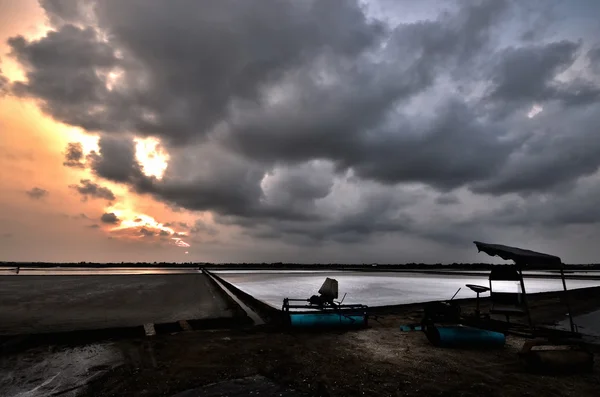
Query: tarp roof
x=518 y=255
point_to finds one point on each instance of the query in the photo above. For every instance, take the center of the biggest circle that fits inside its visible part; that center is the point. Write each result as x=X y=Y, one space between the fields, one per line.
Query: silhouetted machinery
x=327 y=293
x=323 y=310
x=441 y=312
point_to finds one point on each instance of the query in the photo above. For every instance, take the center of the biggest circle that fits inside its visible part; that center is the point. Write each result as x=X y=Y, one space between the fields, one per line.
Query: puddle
x=43 y=372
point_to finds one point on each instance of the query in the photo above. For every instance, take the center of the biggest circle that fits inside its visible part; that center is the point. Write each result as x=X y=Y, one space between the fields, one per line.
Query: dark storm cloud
x=529 y=74
x=376 y=216
x=64 y=11
x=109 y=217
x=208 y=178
x=525 y=72
x=534 y=26
x=64 y=71
x=447 y=199
x=578 y=93
x=291 y=192
x=269 y=108
x=449 y=151
x=116 y=159
x=202 y=227
x=88 y=188
x=343 y=120
x=594 y=59
x=37 y=193
x=376 y=211
x=576 y=206
x=365 y=226
x=556 y=154
x=74 y=155
x=181 y=84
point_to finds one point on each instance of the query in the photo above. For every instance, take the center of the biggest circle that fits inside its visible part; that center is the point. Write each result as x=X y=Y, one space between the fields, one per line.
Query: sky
x=387 y=131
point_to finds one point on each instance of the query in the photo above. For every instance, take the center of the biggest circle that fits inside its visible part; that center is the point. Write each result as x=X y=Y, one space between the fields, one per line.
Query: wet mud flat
x=379 y=361
x=31 y=304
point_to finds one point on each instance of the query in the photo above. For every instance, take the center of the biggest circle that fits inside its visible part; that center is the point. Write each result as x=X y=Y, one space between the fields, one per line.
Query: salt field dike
x=211 y=330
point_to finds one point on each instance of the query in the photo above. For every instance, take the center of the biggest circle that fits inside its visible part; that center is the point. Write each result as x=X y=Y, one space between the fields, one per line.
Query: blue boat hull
x=458 y=336
x=309 y=320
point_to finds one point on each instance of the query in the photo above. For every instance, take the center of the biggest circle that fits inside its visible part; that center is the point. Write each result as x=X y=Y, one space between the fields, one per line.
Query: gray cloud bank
x=37 y=193
x=110 y=218
x=314 y=121
x=87 y=189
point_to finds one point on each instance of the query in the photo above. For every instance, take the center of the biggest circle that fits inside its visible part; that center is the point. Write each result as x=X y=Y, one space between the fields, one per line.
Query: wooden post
x=562 y=276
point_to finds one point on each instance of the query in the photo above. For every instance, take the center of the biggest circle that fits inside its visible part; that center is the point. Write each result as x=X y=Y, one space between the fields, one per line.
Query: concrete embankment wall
x=267 y=312
x=52 y=303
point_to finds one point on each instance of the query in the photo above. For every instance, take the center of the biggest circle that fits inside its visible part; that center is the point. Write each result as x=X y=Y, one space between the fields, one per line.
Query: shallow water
x=83 y=271
x=377 y=289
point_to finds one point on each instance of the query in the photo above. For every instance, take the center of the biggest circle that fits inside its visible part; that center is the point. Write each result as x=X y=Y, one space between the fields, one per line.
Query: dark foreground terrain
x=378 y=361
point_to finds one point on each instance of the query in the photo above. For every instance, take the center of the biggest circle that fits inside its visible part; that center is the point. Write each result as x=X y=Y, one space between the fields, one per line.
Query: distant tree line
x=288 y=266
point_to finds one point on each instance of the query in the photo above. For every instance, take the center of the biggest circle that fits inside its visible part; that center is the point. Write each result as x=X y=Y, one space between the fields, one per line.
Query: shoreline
x=379 y=360
x=482 y=266
x=14 y=312
x=174 y=270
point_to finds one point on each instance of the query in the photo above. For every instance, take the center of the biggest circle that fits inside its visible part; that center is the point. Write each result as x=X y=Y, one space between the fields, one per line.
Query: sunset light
x=134 y=225
x=151 y=156
x=88 y=142
x=388 y=128
x=172 y=171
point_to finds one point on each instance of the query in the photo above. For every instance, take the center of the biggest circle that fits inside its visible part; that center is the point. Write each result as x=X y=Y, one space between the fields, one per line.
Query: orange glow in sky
x=137 y=225
x=32 y=150
x=153 y=159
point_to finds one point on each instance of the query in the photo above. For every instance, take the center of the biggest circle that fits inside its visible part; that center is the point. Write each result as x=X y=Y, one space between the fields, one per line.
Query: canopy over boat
x=521 y=257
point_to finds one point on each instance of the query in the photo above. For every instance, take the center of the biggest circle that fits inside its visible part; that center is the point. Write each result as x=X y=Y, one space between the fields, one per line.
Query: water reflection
x=83 y=271
x=382 y=288
x=375 y=289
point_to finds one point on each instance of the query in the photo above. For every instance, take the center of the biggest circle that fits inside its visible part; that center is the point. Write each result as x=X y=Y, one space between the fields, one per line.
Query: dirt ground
x=379 y=361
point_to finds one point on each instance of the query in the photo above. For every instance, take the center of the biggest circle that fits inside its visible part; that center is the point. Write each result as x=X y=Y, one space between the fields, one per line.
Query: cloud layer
x=88 y=189
x=37 y=193
x=320 y=121
x=110 y=218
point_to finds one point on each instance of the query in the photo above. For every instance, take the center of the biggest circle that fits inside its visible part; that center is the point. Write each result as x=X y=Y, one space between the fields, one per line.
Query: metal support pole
x=525 y=297
x=562 y=276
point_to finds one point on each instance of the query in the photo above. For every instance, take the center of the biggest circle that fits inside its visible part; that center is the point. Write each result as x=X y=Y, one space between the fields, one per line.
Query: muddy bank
x=56 y=370
x=378 y=361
